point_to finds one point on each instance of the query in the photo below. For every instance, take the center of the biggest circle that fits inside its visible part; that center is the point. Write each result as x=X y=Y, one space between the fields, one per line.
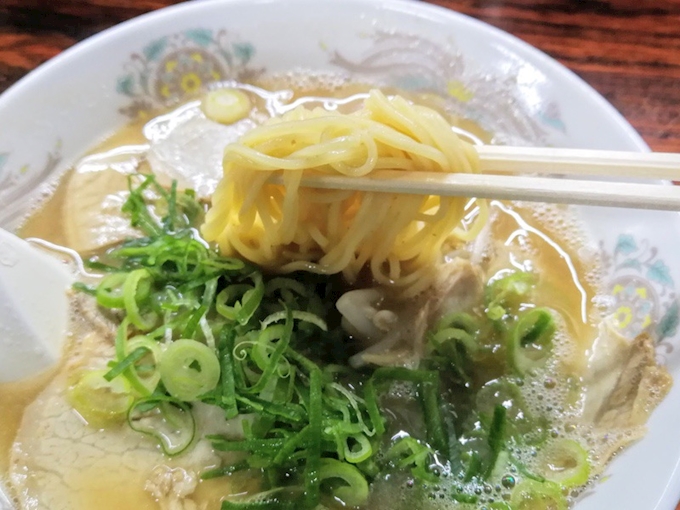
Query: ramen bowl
x=512 y=91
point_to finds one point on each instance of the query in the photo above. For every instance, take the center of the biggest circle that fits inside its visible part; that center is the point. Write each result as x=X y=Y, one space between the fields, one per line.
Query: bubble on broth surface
x=304 y=82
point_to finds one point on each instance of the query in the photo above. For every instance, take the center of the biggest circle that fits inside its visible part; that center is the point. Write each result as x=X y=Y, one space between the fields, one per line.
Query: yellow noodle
x=287 y=228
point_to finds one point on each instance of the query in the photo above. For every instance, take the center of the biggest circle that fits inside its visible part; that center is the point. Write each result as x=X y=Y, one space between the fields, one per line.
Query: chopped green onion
x=360 y=452
x=371 y=400
x=507 y=293
x=223 y=471
x=293 y=413
x=533 y=495
x=149 y=376
x=524 y=471
x=411 y=453
x=458 y=320
x=276 y=499
x=499 y=505
x=129 y=361
x=240 y=310
x=189 y=369
x=192 y=324
x=474 y=468
x=167 y=420
x=297 y=315
x=209 y=293
x=428 y=391
x=269 y=364
x=436 y=431
x=228 y=396
x=355 y=492
x=462 y=497
x=227 y=302
x=124 y=348
x=298 y=440
x=136 y=289
x=285 y=284
x=531 y=340
x=135 y=205
x=109 y=292
x=535 y=327
x=87 y=289
x=100 y=401
x=565 y=461
x=314 y=468
x=496 y=437
x=453 y=334
x=251 y=300
x=260 y=446
x=226 y=106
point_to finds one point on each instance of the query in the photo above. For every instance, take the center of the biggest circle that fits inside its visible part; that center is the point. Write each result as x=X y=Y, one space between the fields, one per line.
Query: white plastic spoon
x=33 y=308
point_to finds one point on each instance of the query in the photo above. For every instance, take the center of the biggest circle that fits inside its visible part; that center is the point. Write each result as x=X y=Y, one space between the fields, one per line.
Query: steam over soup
x=239 y=344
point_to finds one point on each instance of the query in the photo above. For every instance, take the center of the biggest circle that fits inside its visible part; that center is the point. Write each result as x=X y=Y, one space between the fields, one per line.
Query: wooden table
x=629 y=50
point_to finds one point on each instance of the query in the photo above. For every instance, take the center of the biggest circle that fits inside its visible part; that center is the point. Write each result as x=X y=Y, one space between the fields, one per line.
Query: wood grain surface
x=628 y=50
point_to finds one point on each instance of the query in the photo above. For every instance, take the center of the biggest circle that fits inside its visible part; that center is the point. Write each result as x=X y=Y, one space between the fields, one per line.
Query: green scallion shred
x=224 y=471
x=313 y=474
x=297 y=315
x=496 y=437
x=228 y=394
x=123 y=365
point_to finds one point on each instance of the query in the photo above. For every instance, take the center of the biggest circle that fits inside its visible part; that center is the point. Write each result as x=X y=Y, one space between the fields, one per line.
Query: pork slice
x=623 y=383
x=92 y=209
x=622 y=386
x=641 y=386
x=59 y=462
x=394 y=331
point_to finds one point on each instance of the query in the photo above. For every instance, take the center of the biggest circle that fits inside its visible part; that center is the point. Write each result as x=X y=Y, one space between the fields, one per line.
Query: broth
x=521 y=237
x=15 y=397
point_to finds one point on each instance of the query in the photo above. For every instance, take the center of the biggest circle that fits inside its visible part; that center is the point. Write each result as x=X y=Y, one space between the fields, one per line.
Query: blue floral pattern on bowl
x=412 y=62
x=179 y=66
x=642 y=291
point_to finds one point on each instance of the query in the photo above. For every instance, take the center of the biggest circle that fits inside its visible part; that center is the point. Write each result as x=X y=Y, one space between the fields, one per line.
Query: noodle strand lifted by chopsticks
x=288 y=227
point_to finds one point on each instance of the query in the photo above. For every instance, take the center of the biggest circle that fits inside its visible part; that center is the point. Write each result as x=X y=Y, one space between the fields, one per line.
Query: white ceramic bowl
x=60 y=110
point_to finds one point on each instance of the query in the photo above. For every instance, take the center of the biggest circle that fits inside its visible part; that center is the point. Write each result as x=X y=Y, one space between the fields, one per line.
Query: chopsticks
x=547 y=160
x=499 y=159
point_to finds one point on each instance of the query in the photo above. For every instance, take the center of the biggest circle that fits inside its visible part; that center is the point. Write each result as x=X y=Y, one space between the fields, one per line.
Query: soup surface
x=537 y=391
